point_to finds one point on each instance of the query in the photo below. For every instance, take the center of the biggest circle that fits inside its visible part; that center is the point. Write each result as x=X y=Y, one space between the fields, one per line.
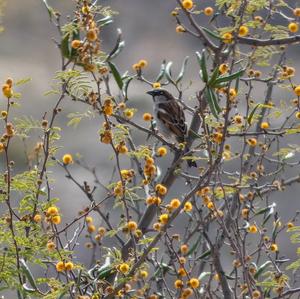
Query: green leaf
x=229 y=77
x=23 y=81
x=202 y=62
x=249 y=120
x=125 y=88
x=261 y=269
x=162 y=72
x=64 y=46
x=211 y=33
x=105 y=21
x=49 y=8
x=182 y=71
x=212 y=102
x=168 y=72
x=204 y=255
x=203 y=275
x=120 y=44
x=28 y=273
x=194 y=247
x=266 y=209
x=213 y=77
x=116 y=74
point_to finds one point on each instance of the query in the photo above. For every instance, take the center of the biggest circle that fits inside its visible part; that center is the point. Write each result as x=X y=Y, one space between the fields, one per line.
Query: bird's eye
x=161 y=93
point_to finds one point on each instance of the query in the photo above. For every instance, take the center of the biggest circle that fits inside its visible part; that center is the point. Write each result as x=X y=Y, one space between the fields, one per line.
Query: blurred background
x=27 y=50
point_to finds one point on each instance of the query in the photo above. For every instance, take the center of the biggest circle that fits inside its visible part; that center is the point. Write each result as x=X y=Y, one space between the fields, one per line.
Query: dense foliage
x=214 y=236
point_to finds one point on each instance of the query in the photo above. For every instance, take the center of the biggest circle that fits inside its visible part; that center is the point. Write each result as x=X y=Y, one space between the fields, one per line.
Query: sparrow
x=169 y=117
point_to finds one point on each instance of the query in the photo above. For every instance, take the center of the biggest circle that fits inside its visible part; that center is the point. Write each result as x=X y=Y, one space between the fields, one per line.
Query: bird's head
x=160 y=95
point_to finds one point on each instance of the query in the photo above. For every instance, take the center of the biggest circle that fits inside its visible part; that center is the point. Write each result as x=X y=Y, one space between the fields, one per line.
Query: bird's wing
x=172 y=115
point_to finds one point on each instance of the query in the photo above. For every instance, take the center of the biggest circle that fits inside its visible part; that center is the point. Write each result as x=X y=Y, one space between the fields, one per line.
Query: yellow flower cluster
x=10 y=130
x=89 y=47
x=52 y=215
x=127 y=174
x=64 y=266
x=153 y=200
x=140 y=65
x=106 y=137
x=161 y=189
x=118 y=190
x=7 y=88
x=108 y=107
x=121 y=148
x=149 y=168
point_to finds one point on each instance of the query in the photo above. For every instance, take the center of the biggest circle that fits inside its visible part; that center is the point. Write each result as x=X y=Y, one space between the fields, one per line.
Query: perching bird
x=170 y=118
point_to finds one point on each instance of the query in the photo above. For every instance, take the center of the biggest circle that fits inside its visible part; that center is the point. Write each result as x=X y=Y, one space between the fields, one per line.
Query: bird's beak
x=151 y=92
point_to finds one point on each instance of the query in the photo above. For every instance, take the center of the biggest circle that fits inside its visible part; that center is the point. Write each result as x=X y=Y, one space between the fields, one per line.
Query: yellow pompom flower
x=252 y=142
x=297 y=116
x=243 y=31
x=156 y=85
x=9 y=82
x=245 y=212
x=232 y=94
x=37 y=218
x=181 y=272
x=91 y=228
x=69 y=266
x=144 y=274
x=124 y=268
x=51 y=245
x=297 y=90
x=178 y=284
x=194 y=283
x=256 y=294
x=223 y=68
x=227 y=38
x=252 y=229
x=187 y=4
x=218 y=137
x=91 y=35
x=188 y=207
x=175 y=203
x=238 y=119
x=161 y=189
x=129 y=113
x=164 y=218
x=7 y=91
x=156 y=226
x=187 y=292
x=162 y=151
x=67 y=159
x=122 y=148
x=147 y=117
x=208 y=11
x=290 y=224
x=184 y=248
x=293 y=27
x=60 y=266
x=106 y=137
x=274 y=247
x=56 y=219
x=132 y=226
x=180 y=29
x=265 y=125
x=76 y=44
x=296 y=12
x=136 y=67
x=143 y=63
x=52 y=211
